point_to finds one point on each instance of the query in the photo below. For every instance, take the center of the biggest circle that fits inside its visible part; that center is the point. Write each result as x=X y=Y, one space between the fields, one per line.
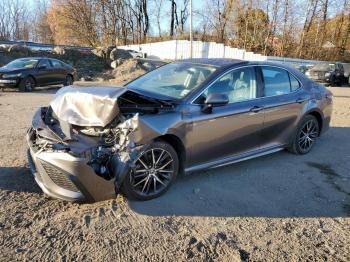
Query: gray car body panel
x=228 y=134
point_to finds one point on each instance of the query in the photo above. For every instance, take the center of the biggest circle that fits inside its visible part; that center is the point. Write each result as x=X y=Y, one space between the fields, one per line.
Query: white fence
x=180 y=49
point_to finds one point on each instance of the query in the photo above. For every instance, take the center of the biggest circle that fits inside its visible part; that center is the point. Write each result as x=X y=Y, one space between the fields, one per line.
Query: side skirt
x=235 y=158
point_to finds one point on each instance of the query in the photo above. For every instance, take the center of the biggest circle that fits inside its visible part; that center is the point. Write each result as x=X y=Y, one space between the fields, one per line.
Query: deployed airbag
x=87 y=106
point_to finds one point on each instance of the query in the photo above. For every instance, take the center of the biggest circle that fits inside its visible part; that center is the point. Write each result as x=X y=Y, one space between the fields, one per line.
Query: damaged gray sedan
x=91 y=143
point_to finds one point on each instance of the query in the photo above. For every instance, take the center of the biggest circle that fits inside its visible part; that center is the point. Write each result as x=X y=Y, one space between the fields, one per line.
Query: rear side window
x=294 y=83
x=278 y=81
x=56 y=64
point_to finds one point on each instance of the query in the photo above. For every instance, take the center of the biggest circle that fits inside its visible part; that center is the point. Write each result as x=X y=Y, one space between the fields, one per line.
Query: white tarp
x=87 y=106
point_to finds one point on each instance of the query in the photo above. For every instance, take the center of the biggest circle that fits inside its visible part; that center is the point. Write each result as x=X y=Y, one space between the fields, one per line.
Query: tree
x=14 y=20
x=173 y=17
x=42 y=31
x=254 y=23
x=73 y=22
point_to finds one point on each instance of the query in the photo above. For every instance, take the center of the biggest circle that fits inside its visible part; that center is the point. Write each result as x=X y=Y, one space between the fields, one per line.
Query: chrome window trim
x=226 y=72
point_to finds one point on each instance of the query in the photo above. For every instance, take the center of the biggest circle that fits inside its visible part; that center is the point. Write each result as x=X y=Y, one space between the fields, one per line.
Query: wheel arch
x=33 y=77
x=71 y=75
x=319 y=117
x=179 y=147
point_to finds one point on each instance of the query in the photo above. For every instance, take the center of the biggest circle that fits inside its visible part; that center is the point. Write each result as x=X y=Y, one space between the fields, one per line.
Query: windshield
x=173 y=80
x=22 y=63
x=324 y=67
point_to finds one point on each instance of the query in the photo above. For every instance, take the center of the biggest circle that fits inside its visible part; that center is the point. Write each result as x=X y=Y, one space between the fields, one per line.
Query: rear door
x=59 y=71
x=232 y=129
x=283 y=101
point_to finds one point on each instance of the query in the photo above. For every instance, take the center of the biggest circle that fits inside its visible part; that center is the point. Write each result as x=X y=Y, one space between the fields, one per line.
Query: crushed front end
x=75 y=161
x=63 y=170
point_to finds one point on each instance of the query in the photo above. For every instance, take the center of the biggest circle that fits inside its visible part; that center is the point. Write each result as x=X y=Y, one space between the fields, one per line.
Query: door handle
x=301 y=100
x=256 y=109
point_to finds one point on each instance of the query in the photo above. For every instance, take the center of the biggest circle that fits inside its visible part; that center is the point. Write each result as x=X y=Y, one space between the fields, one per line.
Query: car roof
x=38 y=58
x=218 y=62
x=227 y=62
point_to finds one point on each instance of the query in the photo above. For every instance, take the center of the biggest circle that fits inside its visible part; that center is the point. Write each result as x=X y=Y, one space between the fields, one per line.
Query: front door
x=232 y=129
x=44 y=74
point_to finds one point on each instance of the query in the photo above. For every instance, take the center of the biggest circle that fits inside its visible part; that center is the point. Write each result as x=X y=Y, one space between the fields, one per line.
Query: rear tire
x=27 y=84
x=154 y=172
x=305 y=136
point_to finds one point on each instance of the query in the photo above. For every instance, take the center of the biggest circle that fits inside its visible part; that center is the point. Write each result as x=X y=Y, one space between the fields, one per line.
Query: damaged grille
x=59 y=177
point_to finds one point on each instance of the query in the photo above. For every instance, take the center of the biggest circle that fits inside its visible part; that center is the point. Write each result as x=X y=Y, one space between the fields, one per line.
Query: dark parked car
x=301 y=68
x=331 y=73
x=91 y=142
x=135 y=54
x=27 y=73
x=346 y=73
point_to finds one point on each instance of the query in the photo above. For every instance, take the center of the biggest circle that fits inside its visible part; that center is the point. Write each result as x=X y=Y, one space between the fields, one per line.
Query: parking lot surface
x=277 y=207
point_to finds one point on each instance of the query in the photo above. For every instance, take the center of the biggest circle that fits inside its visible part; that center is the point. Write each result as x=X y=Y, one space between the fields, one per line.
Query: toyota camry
x=91 y=143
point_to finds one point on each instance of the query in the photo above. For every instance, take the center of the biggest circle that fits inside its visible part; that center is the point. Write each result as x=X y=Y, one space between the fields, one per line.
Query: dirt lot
x=280 y=207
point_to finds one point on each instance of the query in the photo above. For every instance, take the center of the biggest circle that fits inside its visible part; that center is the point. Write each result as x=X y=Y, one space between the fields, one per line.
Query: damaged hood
x=87 y=106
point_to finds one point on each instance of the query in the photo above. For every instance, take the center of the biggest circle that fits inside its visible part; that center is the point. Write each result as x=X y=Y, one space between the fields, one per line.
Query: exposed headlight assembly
x=11 y=75
x=327 y=74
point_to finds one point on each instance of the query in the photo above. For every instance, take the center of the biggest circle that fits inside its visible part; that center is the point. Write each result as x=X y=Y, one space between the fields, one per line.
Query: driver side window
x=238 y=85
x=44 y=62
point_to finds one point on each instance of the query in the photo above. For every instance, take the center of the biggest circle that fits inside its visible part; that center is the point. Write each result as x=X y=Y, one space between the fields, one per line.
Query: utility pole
x=191 y=38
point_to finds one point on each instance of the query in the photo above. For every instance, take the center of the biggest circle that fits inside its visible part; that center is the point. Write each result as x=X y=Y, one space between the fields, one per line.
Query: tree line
x=312 y=29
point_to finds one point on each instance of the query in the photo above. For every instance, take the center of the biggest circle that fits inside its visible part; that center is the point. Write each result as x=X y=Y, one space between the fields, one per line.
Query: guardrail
x=293 y=61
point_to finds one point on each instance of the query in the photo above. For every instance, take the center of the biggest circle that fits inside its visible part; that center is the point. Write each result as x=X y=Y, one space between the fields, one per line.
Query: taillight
x=328 y=94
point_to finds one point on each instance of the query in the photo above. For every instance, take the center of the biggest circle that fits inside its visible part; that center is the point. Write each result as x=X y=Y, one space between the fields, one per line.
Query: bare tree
x=184 y=14
x=159 y=5
x=173 y=17
x=14 y=20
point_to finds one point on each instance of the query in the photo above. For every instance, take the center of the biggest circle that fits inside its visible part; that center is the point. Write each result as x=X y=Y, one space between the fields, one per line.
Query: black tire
x=68 y=81
x=27 y=84
x=141 y=183
x=340 y=82
x=305 y=136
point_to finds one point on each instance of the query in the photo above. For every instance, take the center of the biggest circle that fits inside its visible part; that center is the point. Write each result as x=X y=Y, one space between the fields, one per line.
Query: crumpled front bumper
x=64 y=176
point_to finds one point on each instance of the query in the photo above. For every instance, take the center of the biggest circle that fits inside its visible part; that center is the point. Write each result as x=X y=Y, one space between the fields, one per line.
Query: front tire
x=27 y=84
x=68 y=81
x=154 y=172
x=305 y=136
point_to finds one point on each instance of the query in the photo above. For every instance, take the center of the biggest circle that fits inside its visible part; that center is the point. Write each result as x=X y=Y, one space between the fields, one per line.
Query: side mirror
x=214 y=100
x=42 y=67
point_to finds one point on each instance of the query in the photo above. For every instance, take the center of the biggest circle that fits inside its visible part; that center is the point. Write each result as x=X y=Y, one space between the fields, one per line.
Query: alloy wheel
x=308 y=135
x=153 y=172
x=29 y=85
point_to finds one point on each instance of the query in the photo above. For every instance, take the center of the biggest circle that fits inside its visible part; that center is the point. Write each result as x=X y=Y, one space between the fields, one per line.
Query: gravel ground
x=279 y=207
